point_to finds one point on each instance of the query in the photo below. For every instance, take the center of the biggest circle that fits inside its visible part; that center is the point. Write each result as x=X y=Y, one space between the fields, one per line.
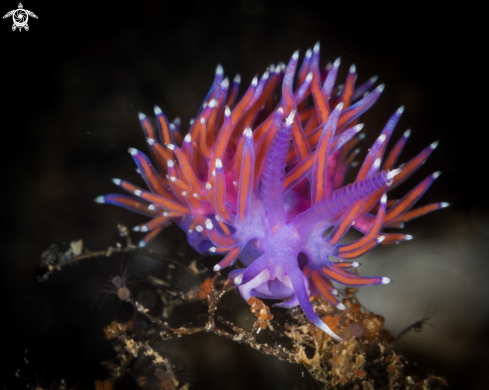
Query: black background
x=71 y=90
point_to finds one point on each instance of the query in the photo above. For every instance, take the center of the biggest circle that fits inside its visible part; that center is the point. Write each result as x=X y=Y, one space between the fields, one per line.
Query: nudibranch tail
x=261 y=179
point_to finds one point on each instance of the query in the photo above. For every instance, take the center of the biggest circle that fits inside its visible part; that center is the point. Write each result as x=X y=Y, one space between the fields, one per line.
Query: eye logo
x=20 y=16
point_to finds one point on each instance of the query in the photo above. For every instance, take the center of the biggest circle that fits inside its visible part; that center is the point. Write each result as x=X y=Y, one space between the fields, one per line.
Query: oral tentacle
x=299 y=286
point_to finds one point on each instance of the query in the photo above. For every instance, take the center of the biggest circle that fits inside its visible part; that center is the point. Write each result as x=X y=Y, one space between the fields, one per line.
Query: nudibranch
x=261 y=179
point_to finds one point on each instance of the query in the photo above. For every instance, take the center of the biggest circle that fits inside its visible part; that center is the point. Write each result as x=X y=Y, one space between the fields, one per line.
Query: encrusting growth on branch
x=366 y=358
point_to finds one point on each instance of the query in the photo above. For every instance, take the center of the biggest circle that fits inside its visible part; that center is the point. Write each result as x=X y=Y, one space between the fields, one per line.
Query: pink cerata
x=261 y=179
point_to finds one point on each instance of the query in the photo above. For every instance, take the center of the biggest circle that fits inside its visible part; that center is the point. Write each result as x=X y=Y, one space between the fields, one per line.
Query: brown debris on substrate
x=365 y=360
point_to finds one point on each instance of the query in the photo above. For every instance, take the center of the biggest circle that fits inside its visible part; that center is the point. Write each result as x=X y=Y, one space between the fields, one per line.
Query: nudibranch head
x=261 y=179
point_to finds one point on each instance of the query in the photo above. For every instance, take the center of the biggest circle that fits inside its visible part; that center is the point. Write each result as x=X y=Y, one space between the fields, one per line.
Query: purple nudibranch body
x=261 y=179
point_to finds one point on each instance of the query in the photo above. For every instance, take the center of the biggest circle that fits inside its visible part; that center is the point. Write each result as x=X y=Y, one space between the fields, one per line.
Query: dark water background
x=71 y=90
